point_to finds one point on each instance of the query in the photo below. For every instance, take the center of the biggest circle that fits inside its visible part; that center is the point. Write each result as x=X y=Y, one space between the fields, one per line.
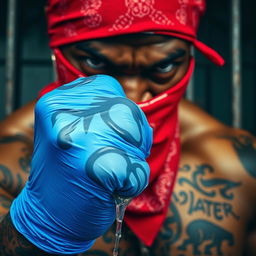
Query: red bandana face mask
x=146 y=213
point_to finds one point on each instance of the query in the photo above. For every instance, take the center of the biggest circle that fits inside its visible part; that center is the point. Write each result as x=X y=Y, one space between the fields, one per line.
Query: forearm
x=15 y=158
x=12 y=243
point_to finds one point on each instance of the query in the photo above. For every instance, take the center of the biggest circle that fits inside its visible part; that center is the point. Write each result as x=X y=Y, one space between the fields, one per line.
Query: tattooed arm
x=16 y=145
x=244 y=145
x=12 y=243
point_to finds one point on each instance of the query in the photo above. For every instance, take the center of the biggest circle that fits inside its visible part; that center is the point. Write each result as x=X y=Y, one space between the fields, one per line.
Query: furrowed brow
x=94 y=52
x=171 y=57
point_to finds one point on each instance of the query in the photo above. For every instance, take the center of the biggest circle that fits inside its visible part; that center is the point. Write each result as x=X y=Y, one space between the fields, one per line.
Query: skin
x=213 y=204
x=144 y=68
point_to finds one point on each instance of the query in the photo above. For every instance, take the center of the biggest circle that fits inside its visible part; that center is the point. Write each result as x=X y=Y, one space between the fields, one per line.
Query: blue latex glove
x=90 y=144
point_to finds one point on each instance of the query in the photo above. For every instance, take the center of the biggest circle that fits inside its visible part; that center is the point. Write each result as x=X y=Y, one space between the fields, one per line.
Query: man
x=212 y=207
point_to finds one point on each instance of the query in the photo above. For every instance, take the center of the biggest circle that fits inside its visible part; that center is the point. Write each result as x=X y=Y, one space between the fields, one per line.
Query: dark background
x=212 y=84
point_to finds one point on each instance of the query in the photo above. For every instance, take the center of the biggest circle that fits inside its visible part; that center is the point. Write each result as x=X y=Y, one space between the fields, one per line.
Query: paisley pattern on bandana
x=70 y=30
x=140 y=9
x=89 y=9
x=166 y=180
x=181 y=13
x=92 y=19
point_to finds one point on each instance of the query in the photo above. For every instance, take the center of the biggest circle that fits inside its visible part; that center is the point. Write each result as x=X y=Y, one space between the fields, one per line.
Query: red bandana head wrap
x=72 y=21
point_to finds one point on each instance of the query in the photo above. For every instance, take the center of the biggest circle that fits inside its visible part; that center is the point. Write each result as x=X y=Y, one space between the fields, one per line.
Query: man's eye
x=94 y=63
x=165 y=68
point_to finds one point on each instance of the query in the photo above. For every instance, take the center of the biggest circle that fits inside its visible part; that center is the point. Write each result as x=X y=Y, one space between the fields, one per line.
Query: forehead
x=135 y=41
x=134 y=46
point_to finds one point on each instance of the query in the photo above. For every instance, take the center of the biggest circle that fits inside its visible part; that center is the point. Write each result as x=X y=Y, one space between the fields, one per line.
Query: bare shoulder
x=231 y=150
x=16 y=146
x=20 y=121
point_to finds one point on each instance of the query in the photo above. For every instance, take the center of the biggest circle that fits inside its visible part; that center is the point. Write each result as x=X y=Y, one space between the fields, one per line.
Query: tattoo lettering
x=203 y=185
x=246 y=152
x=201 y=231
x=209 y=187
x=210 y=208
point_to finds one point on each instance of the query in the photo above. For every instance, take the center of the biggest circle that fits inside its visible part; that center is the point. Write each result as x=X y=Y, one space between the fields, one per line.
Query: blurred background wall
x=212 y=85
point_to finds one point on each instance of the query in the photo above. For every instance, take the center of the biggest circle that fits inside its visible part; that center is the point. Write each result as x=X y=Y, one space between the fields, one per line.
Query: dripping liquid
x=121 y=204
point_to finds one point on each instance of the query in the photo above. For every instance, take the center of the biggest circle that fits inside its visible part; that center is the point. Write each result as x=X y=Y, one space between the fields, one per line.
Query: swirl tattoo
x=131 y=168
x=102 y=106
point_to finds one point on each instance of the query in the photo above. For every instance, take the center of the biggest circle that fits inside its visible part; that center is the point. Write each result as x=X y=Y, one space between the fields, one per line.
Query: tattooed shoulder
x=245 y=148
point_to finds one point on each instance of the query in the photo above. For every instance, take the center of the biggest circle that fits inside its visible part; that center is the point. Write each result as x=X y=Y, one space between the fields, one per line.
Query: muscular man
x=212 y=206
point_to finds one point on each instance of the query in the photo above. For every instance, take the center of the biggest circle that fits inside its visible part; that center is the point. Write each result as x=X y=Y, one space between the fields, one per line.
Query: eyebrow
x=171 y=57
x=94 y=52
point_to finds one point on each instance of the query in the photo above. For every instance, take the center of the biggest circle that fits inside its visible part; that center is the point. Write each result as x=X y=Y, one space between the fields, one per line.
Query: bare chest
x=208 y=214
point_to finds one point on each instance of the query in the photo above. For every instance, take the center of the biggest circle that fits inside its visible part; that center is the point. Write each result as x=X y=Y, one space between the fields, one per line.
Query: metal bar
x=10 y=56
x=236 y=64
x=190 y=90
